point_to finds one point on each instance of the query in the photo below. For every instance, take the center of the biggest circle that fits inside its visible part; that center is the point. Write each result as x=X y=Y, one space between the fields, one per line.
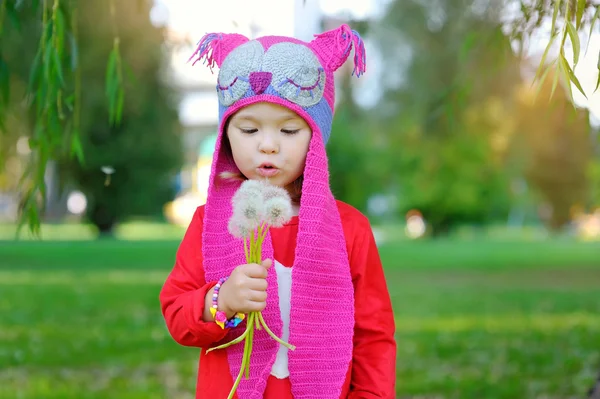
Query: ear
x=334 y=48
x=214 y=47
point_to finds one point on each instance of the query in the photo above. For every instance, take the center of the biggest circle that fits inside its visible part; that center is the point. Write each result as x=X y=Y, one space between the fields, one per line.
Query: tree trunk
x=103 y=219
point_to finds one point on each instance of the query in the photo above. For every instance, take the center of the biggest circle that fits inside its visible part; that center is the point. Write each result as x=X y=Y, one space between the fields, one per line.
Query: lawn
x=475 y=319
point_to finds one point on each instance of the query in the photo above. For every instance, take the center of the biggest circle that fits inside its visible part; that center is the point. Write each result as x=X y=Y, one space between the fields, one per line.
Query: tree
x=557 y=140
x=143 y=148
x=57 y=130
x=438 y=122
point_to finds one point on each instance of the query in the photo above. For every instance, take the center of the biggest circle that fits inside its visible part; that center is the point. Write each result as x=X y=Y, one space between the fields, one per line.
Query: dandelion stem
x=275 y=337
x=245 y=359
x=257 y=322
x=250 y=341
x=246 y=250
x=233 y=342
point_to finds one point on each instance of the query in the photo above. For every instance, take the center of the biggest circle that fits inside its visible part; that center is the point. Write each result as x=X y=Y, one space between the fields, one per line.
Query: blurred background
x=483 y=191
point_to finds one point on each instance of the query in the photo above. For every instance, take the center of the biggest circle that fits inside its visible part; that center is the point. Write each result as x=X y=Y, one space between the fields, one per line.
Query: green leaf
x=47 y=61
x=544 y=56
x=574 y=41
x=580 y=8
x=570 y=75
x=60 y=31
x=467 y=45
x=594 y=19
x=13 y=15
x=111 y=70
x=34 y=74
x=58 y=68
x=74 y=51
x=564 y=72
x=76 y=148
x=557 y=5
x=555 y=81
x=541 y=81
x=120 y=106
x=4 y=82
x=598 y=81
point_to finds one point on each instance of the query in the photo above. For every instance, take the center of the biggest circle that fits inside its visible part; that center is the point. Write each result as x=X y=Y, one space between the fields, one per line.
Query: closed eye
x=249 y=131
x=304 y=88
x=231 y=84
x=290 y=131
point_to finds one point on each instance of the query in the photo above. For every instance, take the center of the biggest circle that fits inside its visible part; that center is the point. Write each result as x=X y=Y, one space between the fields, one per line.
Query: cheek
x=237 y=149
x=301 y=147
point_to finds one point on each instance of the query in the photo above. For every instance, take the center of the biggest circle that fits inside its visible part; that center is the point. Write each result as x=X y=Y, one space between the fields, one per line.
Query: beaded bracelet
x=220 y=316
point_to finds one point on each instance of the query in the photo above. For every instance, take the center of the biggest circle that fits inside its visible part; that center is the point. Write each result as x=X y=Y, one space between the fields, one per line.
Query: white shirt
x=284 y=290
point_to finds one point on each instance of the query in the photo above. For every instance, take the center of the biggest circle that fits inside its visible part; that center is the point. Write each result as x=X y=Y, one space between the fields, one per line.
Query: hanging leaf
x=580 y=9
x=58 y=68
x=574 y=41
x=557 y=5
x=35 y=72
x=544 y=56
x=568 y=76
x=74 y=50
x=598 y=81
x=4 y=82
x=555 y=81
x=542 y=79
x=592 y=24
x=76 y=148
x=13 y=15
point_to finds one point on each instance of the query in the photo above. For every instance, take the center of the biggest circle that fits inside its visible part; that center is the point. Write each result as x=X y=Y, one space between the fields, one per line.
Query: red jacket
x=372 y=372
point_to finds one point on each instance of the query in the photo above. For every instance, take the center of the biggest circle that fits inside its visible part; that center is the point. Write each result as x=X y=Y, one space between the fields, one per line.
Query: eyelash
x=286 y=131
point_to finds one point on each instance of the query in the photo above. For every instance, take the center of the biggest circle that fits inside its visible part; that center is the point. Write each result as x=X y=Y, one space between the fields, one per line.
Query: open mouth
x=267 y=170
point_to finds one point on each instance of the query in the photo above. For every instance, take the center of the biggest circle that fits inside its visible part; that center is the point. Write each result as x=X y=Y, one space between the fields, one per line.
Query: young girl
x=321 y=286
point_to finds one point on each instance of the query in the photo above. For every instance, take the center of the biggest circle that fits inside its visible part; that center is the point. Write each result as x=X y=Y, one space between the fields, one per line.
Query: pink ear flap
x=214 y=47
x=334 y=48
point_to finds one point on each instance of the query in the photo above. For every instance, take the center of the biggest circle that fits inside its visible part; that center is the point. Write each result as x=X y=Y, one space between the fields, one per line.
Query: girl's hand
x=245 y=290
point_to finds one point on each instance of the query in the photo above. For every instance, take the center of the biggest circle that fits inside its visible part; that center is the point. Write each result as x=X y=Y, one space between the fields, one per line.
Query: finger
x=267 y=263
x=253 y=306
x=257 y=296
x=256 y=271
x=257 y=284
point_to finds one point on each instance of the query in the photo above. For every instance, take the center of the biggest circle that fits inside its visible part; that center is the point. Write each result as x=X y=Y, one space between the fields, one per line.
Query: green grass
x=475 y=319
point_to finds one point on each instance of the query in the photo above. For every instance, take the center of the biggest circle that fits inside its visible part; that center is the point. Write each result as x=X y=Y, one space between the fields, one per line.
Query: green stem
x=275 y=337
x=235 y=341
x=244 y=361
x=246 y=251
x=257 y=322
x=250 y=341
x=252 y=247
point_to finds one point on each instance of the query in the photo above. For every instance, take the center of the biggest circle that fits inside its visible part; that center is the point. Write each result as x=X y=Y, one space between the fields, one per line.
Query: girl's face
x=269 y=141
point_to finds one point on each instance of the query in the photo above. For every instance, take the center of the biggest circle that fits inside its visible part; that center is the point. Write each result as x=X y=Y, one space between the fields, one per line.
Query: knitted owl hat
x=299 y=76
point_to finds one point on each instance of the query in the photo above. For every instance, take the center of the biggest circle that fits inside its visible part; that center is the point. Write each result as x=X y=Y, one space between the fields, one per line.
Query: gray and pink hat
x=299 y=76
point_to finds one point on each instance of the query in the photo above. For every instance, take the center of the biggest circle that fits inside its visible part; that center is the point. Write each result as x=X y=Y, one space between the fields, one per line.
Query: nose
x=268 y=143
x=259 y=81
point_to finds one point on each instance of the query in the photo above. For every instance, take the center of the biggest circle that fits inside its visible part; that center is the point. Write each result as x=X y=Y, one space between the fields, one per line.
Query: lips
x=267 y=169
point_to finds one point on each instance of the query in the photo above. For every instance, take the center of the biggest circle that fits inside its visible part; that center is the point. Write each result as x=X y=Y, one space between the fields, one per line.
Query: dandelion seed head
x=278 y=211
x=250 y=189
x=271 y=191
x=251 y=210
x=238 y=228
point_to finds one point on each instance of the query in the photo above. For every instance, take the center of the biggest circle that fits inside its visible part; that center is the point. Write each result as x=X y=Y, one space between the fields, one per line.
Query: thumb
x=267 y=263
